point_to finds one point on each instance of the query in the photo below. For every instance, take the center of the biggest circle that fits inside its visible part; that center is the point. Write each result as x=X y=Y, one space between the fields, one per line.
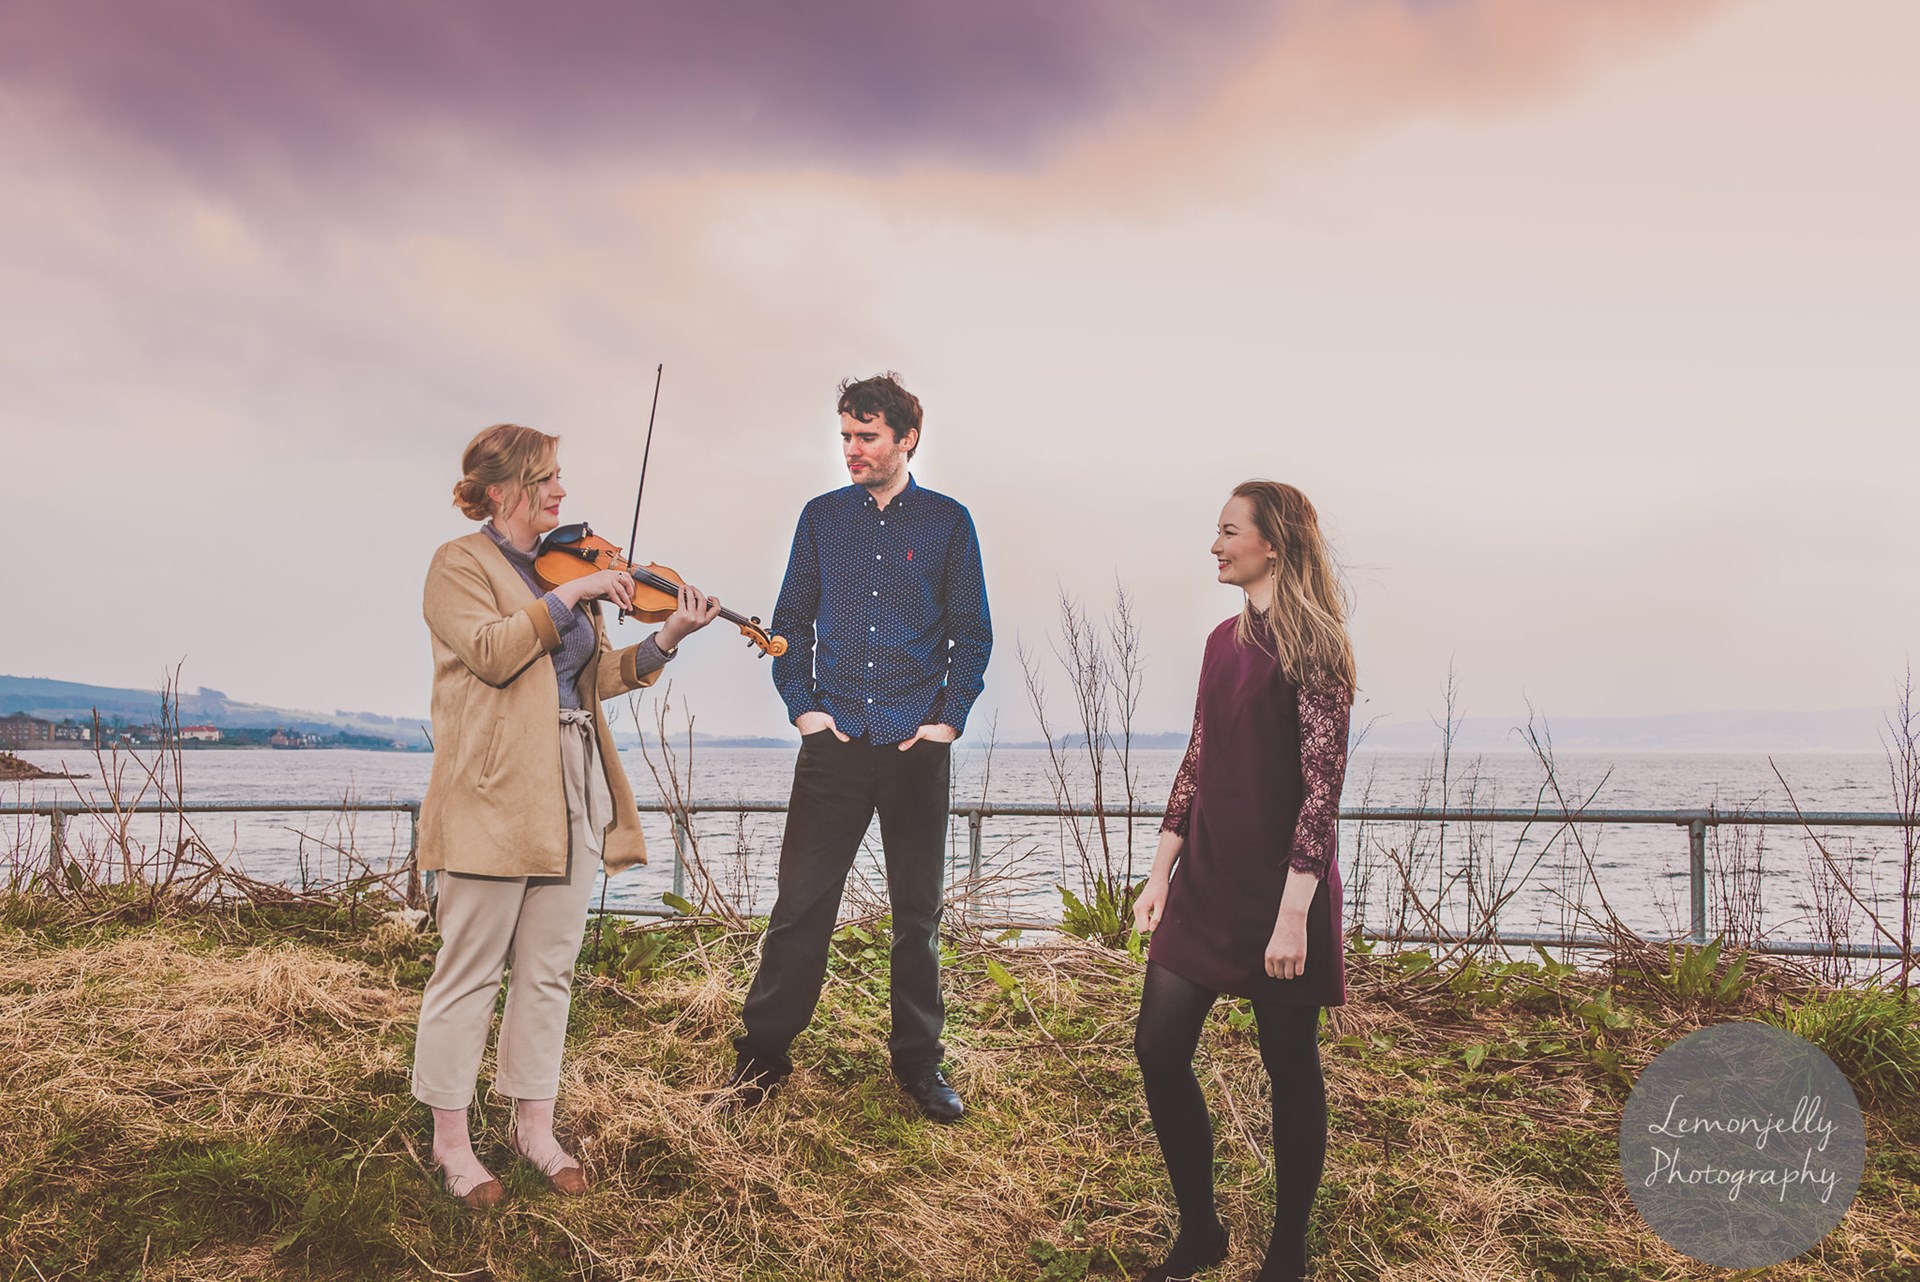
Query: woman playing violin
x=527 y=798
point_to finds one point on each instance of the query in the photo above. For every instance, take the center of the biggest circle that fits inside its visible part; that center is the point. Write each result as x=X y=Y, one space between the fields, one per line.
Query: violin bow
x=645 y=454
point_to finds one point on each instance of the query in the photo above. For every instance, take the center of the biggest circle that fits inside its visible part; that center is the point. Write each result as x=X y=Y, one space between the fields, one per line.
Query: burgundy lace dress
x=1257 y=796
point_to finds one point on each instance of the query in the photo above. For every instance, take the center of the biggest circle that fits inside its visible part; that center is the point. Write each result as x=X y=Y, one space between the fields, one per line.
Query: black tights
x=1172 y=1013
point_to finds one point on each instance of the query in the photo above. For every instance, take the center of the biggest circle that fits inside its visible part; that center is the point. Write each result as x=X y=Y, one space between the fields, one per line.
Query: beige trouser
x=534 y=925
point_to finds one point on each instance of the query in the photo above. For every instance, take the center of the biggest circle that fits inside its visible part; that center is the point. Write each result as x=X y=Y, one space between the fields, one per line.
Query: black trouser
x=836 y=789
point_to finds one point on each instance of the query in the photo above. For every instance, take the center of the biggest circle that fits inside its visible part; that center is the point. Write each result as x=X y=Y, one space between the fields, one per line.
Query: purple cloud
x=227 y=87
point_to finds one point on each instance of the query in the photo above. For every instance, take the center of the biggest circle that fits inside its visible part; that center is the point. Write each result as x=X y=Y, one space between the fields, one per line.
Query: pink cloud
x=1334 y=68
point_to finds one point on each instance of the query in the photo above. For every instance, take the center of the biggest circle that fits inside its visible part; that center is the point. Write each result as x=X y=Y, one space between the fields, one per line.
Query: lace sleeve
x=1325 y=712
x=1185 y=781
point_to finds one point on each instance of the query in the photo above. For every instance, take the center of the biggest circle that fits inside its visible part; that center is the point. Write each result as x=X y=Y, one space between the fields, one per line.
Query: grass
x=223 y=1095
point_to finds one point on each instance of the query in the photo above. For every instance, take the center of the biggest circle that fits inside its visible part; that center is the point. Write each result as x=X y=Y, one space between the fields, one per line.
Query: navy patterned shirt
x=885 y=614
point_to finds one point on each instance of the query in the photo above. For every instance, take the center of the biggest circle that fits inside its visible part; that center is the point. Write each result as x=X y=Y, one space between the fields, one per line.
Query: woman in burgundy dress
x=1244 y=896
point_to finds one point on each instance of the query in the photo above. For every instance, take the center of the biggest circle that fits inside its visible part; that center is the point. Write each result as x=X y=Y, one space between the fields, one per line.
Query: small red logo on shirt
x=909 y=554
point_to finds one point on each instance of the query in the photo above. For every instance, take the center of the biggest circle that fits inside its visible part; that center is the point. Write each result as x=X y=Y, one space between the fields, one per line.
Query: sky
x=1588 y=325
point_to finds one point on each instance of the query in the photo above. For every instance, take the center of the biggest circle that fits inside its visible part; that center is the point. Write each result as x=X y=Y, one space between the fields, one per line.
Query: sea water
x=1544 y=876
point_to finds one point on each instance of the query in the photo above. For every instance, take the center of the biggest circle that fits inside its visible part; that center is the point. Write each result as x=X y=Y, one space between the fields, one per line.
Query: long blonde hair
x=508 y=455
x=1307 y=626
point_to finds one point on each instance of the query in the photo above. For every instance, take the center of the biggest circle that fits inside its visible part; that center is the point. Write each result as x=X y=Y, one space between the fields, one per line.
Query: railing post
x=58 y=825
x=1697 y=877
x=413 y=855
x=680 y=837
x=973 y=845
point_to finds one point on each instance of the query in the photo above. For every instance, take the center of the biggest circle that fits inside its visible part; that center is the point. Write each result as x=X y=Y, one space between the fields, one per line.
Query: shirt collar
x=861 y=495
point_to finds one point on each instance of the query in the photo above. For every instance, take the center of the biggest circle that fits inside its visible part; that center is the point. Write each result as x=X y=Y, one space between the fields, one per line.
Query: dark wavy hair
x=882 y=396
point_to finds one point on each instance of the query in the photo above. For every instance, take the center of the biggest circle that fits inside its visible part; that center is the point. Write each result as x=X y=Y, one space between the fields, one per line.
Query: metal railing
x=1696 y=822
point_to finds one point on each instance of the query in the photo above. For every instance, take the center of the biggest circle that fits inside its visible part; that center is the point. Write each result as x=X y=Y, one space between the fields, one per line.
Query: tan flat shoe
x=483 y=1196
x=569 y=1180
x=565 y=1176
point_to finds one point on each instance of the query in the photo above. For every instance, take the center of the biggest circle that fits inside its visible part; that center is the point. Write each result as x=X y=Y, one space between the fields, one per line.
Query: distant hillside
x=1841 y=730
x=1158 y=739
x=59 y=700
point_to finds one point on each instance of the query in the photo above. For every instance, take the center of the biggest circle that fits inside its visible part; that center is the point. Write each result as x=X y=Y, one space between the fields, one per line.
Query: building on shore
x=200 y=734
x=18 y=730
x=23 y=730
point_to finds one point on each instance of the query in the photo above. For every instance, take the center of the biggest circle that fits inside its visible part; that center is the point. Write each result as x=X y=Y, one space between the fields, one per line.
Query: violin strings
x=662 y=584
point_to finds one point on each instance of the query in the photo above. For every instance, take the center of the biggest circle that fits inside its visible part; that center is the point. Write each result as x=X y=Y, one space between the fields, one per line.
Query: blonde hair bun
x=506 y=455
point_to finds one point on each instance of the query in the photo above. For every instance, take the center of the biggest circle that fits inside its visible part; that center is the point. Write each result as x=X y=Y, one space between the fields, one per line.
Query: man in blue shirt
x=885 y=609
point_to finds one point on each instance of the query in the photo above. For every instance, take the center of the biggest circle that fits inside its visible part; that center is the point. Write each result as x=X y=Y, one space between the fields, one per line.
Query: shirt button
x=876 y=556
x=869 y=699
x=871 y=628
x=869 y=663
x=876 y=592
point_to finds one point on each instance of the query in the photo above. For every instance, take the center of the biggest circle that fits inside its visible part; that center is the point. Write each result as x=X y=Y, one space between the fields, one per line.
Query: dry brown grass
x=1510 y=1172
x=233 y=1108
x=148 y=1037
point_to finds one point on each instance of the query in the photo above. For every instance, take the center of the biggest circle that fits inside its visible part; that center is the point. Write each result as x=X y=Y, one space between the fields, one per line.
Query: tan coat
x=494 y=802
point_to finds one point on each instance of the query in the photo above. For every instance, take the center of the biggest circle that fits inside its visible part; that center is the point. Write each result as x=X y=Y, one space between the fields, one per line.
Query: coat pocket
x=494 y=748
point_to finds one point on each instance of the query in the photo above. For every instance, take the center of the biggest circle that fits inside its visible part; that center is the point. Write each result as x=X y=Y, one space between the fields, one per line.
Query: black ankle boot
x=1189 y=1256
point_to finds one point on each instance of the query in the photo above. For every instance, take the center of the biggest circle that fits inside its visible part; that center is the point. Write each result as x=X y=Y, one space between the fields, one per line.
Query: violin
x=575 y=551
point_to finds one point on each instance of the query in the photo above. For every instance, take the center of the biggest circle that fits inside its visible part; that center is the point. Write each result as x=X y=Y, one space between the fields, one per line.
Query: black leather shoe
x=934 y=1094
x=749 y=1086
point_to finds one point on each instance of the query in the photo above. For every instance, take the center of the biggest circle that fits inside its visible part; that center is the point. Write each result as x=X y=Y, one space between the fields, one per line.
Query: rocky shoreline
x=13 y=769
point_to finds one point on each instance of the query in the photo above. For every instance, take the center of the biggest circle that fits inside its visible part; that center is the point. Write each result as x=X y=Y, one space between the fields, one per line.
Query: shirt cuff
x=947 y=713
x=544 y=627
x=648 y=656
x=557 y=612
x=800 y=707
